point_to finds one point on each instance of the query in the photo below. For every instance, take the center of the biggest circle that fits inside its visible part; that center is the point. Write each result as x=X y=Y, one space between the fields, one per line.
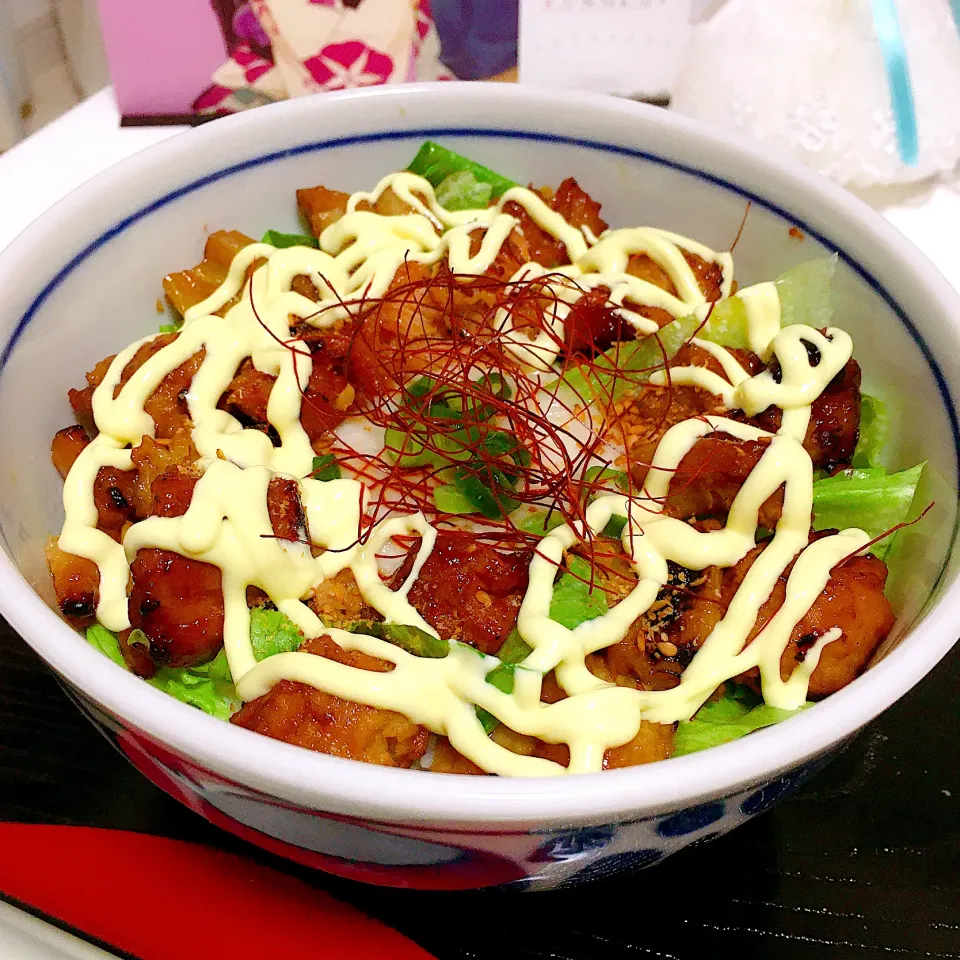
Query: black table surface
x=864 y=861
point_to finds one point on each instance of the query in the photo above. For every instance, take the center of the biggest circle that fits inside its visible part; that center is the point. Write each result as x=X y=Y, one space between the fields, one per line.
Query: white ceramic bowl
x=82 y=282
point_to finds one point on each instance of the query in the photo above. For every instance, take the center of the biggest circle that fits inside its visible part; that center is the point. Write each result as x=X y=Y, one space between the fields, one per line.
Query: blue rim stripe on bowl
x=493 y=133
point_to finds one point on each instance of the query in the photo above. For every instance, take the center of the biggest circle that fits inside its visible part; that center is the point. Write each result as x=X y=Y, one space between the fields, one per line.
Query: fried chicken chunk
x=852 y=600
x=306 y=717
x=468 y=591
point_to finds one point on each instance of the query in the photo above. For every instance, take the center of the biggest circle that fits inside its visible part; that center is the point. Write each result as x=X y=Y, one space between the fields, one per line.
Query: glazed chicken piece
x=468 y=591
x=178 y=604
x=321 y=207
x=187 y=288
x=167 y=405
x=709 y=278
x=640 y=422
x=834 y=420
x=67 y=445
x=710 y=476
x=306 y=717
x=401 y=335
x=326 y=401
x=852 y=600
x=76 y=582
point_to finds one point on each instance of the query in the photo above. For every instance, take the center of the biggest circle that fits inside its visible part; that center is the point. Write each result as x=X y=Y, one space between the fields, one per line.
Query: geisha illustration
x=289 y=48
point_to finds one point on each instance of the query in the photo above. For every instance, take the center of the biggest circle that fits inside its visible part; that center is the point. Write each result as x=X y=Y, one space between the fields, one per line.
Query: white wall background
x=26 y=13
x=51 y=56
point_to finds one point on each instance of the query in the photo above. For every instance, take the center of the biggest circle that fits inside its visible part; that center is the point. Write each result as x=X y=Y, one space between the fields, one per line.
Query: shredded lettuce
x=806 y=294
x=736 y=713
x=868 y=498
x=281 y=241
x=436 y=164
x=209 y=687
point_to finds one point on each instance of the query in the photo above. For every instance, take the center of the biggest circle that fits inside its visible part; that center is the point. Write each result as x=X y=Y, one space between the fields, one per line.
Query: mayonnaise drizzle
x=227 y=523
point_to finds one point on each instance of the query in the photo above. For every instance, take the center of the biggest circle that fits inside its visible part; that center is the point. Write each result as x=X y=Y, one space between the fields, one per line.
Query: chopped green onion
x=514 y=650
x=487 y=720
x=481 y=496
x=415 y=641
x=420 y=387
x=539 y=522
x=496 y=384
x=601 y=475
x=409 y=449
x=281 y=240
x=325 y=467
x=449 y=499
x=170 y=327
x=614 y=527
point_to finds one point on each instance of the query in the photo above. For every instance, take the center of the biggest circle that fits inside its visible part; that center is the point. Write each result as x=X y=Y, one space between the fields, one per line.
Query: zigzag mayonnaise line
x=227 y=518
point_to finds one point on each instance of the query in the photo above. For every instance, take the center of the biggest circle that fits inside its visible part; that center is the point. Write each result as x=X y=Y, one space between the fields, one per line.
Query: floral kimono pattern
x=290 y=48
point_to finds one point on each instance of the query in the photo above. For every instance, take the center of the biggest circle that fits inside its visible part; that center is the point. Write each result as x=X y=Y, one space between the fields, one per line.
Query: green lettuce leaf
x=574 y=602
x=208 y=687
x=735 y=714
x=463 y=191
x=868 y=498
x=435 y=164
x=805 y=297
x=617 y=371
x=106 y=642
x=272 y=632
x=874 y=430
x=281 y=241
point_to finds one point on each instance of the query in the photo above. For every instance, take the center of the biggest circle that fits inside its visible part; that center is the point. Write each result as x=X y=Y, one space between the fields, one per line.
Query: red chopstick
x=161 y=899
